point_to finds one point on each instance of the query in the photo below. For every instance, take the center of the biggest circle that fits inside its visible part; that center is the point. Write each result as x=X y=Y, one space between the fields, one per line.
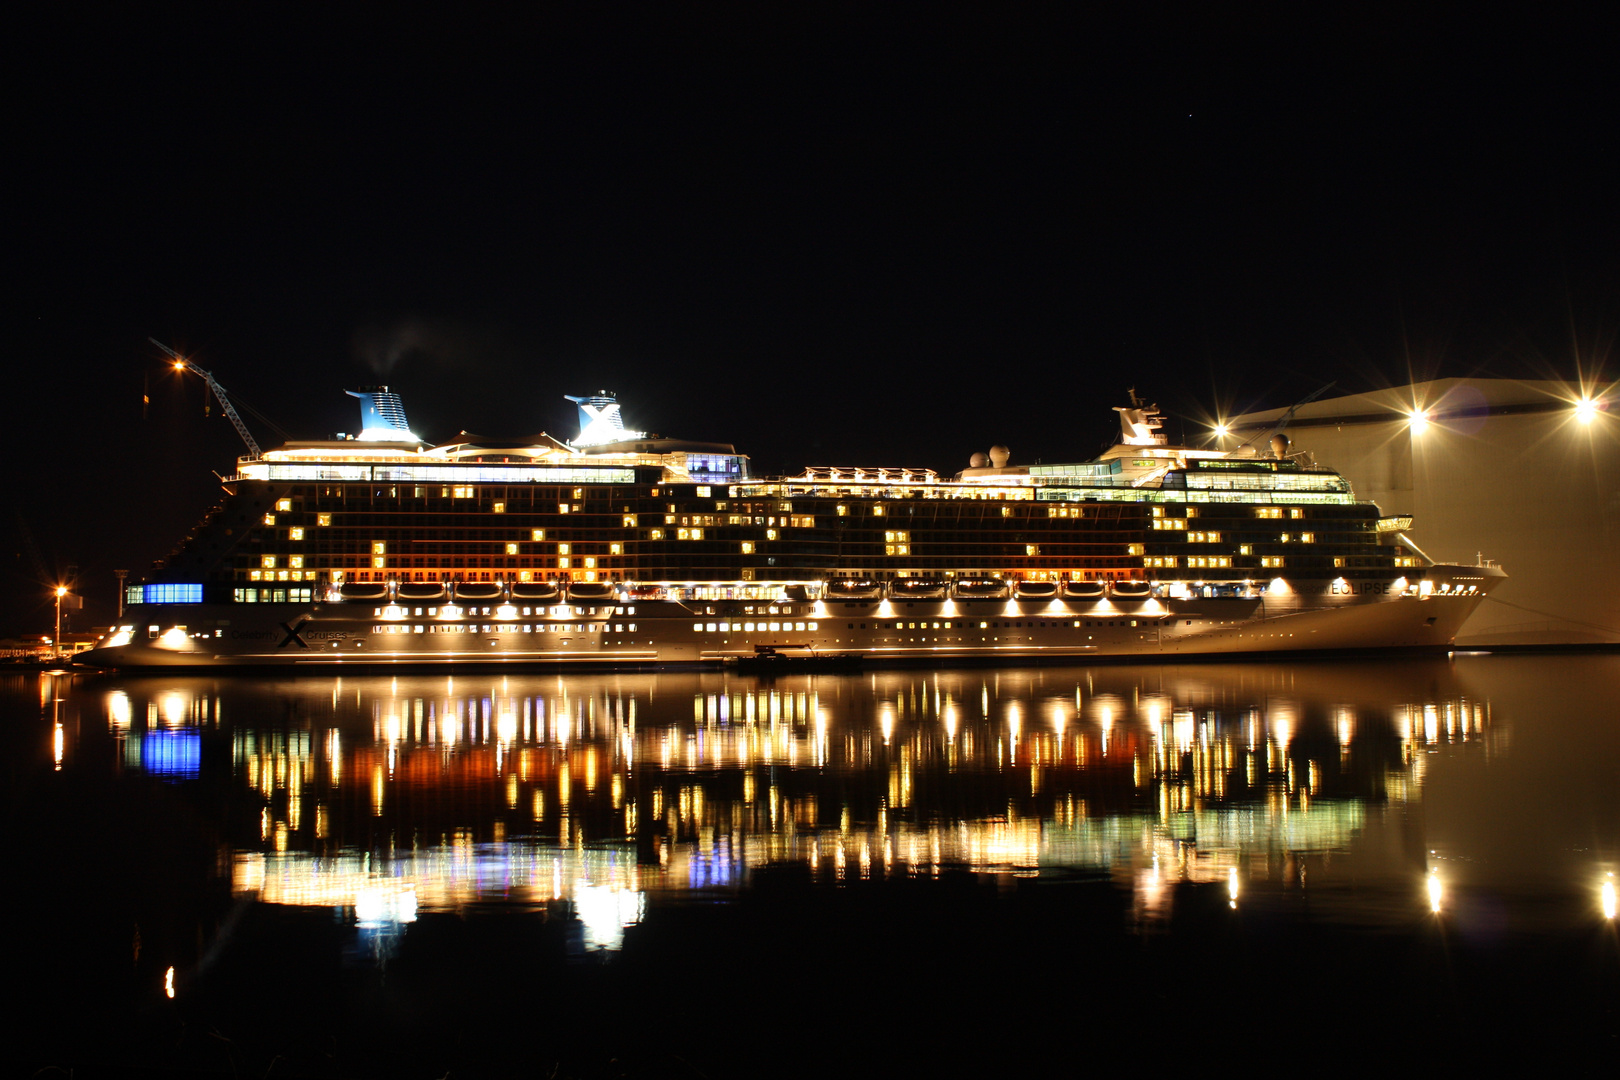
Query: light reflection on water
x=390 y=796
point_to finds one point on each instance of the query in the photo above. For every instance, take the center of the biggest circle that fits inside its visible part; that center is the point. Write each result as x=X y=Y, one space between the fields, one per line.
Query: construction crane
x=1287 y=418
x=182 y=364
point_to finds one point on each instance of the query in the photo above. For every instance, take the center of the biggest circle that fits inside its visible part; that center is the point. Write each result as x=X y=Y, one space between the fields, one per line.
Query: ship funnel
x=599 y=420
x=382 y=415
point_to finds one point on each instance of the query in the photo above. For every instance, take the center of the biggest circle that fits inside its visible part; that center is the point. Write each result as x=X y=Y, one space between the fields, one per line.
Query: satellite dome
x=998 y=456
x=1279 y=445
x=978 y=461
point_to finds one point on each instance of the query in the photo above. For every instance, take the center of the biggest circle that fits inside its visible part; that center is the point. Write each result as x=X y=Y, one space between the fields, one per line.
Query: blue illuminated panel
x=174 y=755
x=717 y=468
x=171 y=593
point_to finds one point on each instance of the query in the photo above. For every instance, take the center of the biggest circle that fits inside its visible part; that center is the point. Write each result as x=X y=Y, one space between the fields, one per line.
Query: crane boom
x=219 y=396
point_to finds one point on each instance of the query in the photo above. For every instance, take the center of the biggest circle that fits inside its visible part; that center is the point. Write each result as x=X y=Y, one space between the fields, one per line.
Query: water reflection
x=393 y=796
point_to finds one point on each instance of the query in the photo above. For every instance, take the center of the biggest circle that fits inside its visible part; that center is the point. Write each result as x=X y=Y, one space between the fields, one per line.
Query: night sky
x=825 y=235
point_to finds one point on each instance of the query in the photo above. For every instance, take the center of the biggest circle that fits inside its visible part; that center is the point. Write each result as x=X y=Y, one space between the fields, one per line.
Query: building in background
x=1525 y=474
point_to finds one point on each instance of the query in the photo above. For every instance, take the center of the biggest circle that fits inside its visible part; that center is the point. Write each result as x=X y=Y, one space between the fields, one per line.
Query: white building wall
x=1503 y=471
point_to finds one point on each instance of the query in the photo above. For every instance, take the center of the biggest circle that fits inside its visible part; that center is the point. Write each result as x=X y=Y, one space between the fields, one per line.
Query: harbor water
x=971 y=872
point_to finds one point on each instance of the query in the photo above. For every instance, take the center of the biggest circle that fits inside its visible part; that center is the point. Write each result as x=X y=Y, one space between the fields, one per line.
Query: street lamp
x=61 y=591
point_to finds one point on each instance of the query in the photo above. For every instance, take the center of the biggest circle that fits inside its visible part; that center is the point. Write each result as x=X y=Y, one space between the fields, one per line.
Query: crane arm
x=183 y=364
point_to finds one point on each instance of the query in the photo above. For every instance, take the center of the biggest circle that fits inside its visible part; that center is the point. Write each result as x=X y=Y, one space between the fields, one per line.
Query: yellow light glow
x=1586 y=410
x=1608 y=897
x=61 y=590
x=1417 y=420
x=168 y=983
x=1221 y=430
x=1436 y=891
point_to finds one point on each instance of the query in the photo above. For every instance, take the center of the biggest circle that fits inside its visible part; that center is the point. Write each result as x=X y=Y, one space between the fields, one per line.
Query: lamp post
x=121 y=575
x=61 y=591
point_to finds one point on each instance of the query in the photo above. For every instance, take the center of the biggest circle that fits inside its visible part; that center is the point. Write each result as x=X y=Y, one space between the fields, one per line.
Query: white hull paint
x=657 y=633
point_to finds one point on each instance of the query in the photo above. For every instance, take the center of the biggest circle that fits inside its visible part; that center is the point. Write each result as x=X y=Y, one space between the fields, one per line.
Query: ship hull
x=877 y=631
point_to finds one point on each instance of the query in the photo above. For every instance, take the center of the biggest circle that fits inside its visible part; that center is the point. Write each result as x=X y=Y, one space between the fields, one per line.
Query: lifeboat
x=919 y=589
x=479 y=590
x=1083 y=590
x=544 y=591
x=591 y=591
x=1035 y=590
x=1132 y=590
x=854 y=589
x=980 y=589
x=417 y=591
x=363 y=590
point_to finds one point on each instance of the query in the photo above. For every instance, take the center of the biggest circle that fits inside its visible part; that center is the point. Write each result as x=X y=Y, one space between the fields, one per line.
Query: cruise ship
x=625 y=549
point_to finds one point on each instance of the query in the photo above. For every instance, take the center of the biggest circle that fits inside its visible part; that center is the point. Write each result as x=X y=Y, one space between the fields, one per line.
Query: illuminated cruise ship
x=627 y=549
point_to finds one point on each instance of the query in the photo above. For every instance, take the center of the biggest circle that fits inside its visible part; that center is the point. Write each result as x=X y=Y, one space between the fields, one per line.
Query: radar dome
x=978 y=461
x=998 y=456
x=1279 y=445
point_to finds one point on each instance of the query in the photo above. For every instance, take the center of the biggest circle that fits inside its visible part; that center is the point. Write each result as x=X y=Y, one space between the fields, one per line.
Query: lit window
x=511 y=549
x=269 y=519
x=1338 y=560
x=562 y=508
x=590 y=562
x=655 y=534
x=1158 y=511
x=1133 y=549
x=1006 y=511
x=1307 y=538
x=877 y=510
x=1268 y=512
x=1296 y=512
x=1032 y=549
x=747 y=547
x=563 y=549
x=498 y=508
x=562 y=563
x=295 y=534
x=770 y=534
x=537 y=534
x=843 y=511
x=283 y=504
x=1271 y=560
x=703 y=493
x=1245 y=549
x=461 y=493
x=268 y=562
x=295 y=560
x=378 y=562
x=323 y=519
x=579 y=493
x=629 y=521
x=379 y=548
x=615 y=549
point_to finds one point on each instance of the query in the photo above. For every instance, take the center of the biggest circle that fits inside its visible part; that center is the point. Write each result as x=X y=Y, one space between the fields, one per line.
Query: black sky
x=827 y=235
